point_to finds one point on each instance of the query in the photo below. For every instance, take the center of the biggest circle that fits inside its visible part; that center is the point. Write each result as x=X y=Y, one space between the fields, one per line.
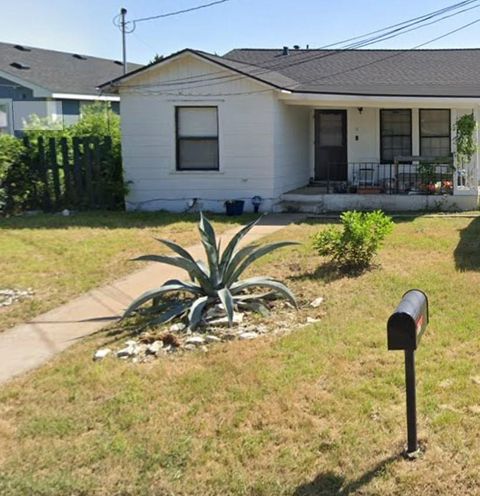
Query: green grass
x=317 y=412
x=61 y=257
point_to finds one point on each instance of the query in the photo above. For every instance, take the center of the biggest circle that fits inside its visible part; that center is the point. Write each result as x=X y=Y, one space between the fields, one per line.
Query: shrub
x=216 y=282
x=14 y=183
x=354 y=247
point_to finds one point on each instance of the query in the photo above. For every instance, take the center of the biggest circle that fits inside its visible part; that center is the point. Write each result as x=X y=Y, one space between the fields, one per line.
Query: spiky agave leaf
x=196 y=311
x=252 y=257
x=184 y=263
x=277 y=286
x=176 y=248
x=228 y=304
x=171 y=313
x=235 y=261
x=155 y=293
x=232 y=245
x=209 y=242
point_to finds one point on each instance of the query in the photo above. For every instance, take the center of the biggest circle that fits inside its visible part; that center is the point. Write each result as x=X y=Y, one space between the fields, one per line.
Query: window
x=4 y=119
x=435 y=132
x=395 y=134
x=197 y=138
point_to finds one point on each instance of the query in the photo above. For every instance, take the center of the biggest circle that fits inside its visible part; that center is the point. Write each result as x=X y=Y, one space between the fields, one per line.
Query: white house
x=310 y=129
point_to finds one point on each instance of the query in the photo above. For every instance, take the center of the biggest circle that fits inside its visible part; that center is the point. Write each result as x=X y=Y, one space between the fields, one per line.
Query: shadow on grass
x=467 y=252
x=113 y=220
x=331 y=484
x=329 y=272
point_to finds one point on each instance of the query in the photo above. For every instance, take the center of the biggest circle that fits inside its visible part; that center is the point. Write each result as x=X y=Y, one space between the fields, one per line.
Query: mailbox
x=409 y=321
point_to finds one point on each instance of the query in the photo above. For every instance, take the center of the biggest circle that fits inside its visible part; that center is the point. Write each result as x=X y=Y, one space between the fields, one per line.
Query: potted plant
x=234 y=207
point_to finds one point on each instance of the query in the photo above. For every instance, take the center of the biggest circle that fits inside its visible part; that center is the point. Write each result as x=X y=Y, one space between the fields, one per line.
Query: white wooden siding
x=246 y=148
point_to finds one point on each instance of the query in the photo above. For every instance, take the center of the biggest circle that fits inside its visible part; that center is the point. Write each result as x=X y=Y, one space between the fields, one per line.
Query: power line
x=395 y=54
x=178 y=12
x=194 y=80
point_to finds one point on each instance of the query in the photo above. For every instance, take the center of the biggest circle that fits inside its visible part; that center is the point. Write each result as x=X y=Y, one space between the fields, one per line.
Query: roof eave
x=38 y=91
x=114 y=84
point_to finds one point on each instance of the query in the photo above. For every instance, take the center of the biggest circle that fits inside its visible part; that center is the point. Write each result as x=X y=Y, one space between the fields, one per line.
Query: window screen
x=395 y=134
x=197 y=138
x=435 y=132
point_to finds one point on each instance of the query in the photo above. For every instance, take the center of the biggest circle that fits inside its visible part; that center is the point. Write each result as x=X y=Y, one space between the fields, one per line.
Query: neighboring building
x=200 y=128
x=50 y=84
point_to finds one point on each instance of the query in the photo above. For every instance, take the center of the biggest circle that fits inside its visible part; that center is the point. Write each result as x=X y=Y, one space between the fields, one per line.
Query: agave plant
x=216 y=282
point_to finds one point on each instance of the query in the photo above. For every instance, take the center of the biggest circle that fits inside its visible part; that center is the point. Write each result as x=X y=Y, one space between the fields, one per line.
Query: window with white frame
x=4 y=118
x=395 y=134
x=435 y=140
x=197 y=138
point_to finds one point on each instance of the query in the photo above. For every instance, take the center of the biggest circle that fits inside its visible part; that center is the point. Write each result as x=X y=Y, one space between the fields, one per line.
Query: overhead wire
x=282 y=65
x=391 y=56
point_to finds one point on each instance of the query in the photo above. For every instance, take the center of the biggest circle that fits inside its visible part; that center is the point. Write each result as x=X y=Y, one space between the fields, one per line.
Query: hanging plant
x=465 y=139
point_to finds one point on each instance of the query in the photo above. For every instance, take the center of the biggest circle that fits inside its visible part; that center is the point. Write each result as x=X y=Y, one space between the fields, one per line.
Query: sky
x=86 y=27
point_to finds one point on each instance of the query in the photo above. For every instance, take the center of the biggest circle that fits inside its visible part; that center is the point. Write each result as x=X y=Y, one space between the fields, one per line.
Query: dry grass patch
x=61 y=257
x=317 y=412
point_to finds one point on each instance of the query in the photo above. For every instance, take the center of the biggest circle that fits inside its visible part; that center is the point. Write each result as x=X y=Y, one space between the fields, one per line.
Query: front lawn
x=61 y=257
x=317 y=412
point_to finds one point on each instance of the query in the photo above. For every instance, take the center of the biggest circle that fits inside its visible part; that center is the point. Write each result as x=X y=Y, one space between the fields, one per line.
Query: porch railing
x=399 y=177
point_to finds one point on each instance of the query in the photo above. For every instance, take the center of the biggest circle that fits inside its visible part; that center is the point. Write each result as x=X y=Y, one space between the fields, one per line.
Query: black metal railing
x=399 y=177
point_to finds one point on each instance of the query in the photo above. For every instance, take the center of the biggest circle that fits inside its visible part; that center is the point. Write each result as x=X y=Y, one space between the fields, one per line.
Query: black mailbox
x=409 y=321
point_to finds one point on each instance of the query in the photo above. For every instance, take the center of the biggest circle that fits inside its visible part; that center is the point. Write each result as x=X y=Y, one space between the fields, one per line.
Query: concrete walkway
x=29 y=345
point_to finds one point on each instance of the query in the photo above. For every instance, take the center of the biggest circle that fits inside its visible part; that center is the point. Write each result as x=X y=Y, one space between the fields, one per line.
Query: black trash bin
x=234 y=207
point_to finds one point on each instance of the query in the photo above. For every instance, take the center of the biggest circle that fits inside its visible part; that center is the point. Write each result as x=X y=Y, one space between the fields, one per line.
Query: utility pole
x=123 y=13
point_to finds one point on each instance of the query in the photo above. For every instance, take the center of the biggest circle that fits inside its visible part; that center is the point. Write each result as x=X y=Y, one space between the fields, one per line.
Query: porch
x=389 y=153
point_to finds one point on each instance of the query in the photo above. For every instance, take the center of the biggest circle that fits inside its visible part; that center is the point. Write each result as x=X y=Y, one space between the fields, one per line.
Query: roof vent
x=285 y=50
x=18 y=65
x=296 y=47
x=117 y=62
x=79 y=57
x=22 y=48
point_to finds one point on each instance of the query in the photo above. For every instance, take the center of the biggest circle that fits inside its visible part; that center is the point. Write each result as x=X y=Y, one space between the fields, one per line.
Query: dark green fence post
x=42 y=167
x=67 y=174
x=52 y=142
x=77 y=172
x=87 y=165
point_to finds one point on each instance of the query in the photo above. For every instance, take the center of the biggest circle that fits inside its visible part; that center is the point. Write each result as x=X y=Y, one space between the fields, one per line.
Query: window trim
x=195 y=138
x=382 y=160
x=9 y=103
x=443 y=136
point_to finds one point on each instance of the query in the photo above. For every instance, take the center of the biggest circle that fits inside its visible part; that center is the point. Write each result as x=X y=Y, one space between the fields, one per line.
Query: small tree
x=354 y=247
x=464 y=138
x=15 y=182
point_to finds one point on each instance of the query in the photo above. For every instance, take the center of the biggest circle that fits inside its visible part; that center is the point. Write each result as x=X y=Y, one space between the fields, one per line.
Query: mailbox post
x=405 y=328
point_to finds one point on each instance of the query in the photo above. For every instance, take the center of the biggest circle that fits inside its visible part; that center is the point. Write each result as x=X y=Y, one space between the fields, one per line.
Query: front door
x=331 y=145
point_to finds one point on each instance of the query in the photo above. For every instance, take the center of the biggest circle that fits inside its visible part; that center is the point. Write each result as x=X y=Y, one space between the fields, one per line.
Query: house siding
x=245 y=133
x=291 y=147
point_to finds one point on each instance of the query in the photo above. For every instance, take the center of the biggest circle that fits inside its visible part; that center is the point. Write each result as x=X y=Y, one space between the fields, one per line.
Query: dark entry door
x=331 y=145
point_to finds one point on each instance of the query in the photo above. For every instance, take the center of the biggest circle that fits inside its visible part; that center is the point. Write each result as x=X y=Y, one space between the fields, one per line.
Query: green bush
x=14 y=183
x=355 y=245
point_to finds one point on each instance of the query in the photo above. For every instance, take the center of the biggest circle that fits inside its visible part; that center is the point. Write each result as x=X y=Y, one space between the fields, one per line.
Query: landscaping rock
x=154 y=348
x=177 y=327
x=317 y=302
x=101 y=354
x=209 y=338
x=190 y=347
x=248 y=335
x=129 y=351
x=195 y=340
x=237 y=319
x=311 y=320
x=10 y=296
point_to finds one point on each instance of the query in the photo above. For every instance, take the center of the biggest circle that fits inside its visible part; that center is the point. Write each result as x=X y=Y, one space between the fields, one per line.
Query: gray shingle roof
x=59 y=72
x=444 y=73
